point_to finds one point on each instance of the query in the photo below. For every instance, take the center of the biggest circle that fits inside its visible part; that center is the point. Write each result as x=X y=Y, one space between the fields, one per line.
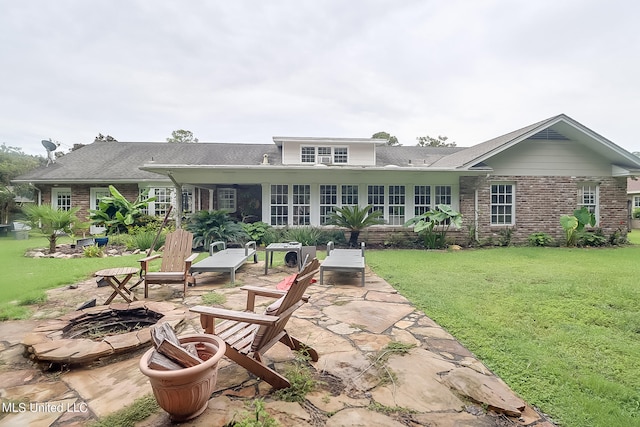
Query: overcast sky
x=245 y=71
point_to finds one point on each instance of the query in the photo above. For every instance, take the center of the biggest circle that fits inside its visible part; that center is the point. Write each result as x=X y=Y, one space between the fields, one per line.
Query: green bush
x=256 y=230
x=308 y=236
x=125 y=240
x=636 y=213
x=273 y=235
x=540 y=239
x=591 y=238
x=210 y=226
x=93 y=251
x=144 y=240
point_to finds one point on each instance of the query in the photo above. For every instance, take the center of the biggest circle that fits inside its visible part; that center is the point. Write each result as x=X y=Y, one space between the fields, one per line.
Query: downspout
x=178 y=212
x=475 y=214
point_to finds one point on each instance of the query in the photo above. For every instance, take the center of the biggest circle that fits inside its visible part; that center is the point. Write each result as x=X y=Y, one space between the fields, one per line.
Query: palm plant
x=355 y=219
x=50 y=221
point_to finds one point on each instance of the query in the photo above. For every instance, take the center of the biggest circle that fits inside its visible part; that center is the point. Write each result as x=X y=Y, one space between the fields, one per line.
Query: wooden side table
x=110 y=275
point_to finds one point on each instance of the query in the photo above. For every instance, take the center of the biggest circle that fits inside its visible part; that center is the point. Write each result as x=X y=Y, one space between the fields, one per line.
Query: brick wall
x=80 y=195
x=540 y=202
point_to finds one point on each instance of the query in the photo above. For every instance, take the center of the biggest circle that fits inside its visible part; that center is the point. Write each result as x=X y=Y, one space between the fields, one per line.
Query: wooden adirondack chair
x=176 y=262
x=248 y=335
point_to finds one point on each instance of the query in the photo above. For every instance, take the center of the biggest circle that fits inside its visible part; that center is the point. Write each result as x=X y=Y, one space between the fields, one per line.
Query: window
x=308 y=154
x=396 y=204
x=301 y=204
x=226 y=199
x=163 y=201
x=442 y=195
x=588 y=197
x=187 y=200
x=61 y=198
x=96 y=194
x=324 y=155
x=636 y=201
x=279 y=204
x=502 y=203
x=375 y=197
x=422 y=199
x=340 y=155
x=349 y=195
x=328 y=202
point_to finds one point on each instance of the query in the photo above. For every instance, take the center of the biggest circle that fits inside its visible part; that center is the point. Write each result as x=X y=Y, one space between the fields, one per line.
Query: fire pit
x=84 y=336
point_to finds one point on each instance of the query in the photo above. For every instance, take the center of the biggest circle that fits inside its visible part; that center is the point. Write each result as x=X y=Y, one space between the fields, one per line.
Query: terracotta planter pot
x=184 y=393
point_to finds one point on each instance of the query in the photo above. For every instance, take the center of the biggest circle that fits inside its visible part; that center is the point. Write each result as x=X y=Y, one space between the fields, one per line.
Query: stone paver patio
x=438 y=383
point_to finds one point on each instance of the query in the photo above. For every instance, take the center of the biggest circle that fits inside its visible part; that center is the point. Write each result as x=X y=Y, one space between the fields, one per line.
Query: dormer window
x=324 y=155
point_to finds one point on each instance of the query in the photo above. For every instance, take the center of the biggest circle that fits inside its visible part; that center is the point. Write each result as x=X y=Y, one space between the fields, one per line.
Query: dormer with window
x=328 y=151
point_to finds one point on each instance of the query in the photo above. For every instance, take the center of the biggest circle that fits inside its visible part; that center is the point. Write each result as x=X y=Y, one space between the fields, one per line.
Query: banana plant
x=117 y=213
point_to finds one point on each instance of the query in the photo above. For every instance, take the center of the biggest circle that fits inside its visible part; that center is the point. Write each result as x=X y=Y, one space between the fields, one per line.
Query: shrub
x=93 y=251
x=122 y=240
x=591 y=238
x=144 y=240
x=210 y=226
x=273 y=235
x=636 y=213
x=434 y=224
x=308 y=236
x=116 y=213
x=256 y=230
x=540 y=239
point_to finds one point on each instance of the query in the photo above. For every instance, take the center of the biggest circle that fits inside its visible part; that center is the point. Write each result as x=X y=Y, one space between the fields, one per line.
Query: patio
x=439 y=383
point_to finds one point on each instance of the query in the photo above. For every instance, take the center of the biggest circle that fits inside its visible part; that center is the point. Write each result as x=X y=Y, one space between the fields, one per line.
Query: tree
x=355 y=219
x=14 y=162
x=103 y=138
x=182 y=135
x=391 y=140
x=440 y=141
x=50 y=221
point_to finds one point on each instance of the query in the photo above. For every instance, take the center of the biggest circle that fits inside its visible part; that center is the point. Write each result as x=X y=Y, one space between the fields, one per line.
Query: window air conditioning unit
x=325 y=160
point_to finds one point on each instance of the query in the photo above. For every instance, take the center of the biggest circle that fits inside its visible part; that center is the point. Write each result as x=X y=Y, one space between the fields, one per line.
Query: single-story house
x=520 y=182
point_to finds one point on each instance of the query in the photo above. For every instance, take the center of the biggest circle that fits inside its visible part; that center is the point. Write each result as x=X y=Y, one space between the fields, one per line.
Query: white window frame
x=227 y=199
x=396 y=207
x=339 y=157
x=349 y=197
x=377 y=198
x=636 y=201
x=590 y=198
x=279 y=207
x=57 y=193
x=442 y=195
x=421 y=199
x=328 y=201
x=307 y=154
x=96 y=193
x=505 y=200
x=301 y=204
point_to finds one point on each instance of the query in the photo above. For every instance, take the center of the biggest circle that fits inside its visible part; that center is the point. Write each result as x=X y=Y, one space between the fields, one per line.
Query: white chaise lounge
x=343 y=260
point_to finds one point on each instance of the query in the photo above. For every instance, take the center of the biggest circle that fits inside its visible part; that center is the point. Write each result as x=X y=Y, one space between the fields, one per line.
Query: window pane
x=375 y=197
x=301 y=204
x=442 y=195
x=396 y=204
x=279 y=205
x=502 y=204
x=308 y=154
x=340 y=155
x=422 y=199
x=328 y=201
x=349 y=195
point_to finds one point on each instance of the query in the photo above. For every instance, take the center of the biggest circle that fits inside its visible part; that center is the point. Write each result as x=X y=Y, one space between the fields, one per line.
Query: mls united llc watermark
x=13 y=407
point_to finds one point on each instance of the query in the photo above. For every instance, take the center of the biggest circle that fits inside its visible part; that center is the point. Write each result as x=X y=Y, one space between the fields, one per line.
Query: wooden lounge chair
x=343 y=260
x=176 y=262
x=225 y=260
x=248 y=335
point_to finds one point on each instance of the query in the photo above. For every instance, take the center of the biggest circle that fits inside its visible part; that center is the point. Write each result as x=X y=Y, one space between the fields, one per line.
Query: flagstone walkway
x=438 y=383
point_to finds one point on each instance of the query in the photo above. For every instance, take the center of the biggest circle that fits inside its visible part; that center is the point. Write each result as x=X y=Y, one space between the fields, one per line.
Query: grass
x=128 y=416
x=25 y=279
x=560 y=326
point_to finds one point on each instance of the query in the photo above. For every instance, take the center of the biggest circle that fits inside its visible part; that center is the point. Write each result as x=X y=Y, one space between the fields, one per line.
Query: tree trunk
x=353 y=239
x=52 y=243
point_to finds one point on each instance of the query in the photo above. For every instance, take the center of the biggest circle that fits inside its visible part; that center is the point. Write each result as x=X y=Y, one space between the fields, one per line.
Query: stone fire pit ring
x=48 y=341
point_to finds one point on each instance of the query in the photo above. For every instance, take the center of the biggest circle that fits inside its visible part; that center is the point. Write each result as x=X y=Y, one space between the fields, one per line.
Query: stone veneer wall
x=540 y=201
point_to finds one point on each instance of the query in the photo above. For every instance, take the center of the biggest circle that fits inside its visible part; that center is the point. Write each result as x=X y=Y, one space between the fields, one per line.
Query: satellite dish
x=49 y=145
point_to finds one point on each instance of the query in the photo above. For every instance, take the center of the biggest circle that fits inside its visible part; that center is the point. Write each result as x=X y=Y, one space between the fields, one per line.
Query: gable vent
x=549 y=134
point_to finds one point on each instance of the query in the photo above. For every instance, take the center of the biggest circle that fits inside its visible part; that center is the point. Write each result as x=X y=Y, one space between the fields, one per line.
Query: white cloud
x=244 y=71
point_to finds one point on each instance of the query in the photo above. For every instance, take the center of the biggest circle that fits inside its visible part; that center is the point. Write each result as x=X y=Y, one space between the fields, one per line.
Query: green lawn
x=24 y=279
x=561 y=326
